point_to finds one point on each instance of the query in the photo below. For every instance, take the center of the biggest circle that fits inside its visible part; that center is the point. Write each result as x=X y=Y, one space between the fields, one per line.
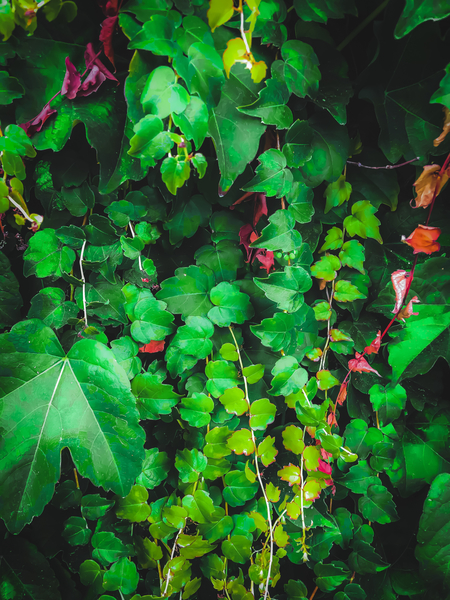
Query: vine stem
x=171 y=558
x=21 y=209
x=258 y=472
x=388 y=167
x=134 y=235
x=362 y=25
x=314 y=593
x=84 y=282
x=244 y=38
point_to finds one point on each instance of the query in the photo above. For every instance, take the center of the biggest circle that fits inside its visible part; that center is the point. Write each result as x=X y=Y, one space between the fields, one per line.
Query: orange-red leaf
x=423 y=239
x=374 y=346
x=342 y=394
x=153 y=347
x=407 y=311
x=445 y=127
x=360 y=364
x=426 y=185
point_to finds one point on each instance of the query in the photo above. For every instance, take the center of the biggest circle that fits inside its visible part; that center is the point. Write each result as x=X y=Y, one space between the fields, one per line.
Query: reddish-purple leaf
x=245 y=233
x=37 y=123
x=360 y=364
x=92 y=82
x=93 y=59
x=374 y=345
x=72 y=80
x=109 y=25
x=109 y=7
x=266 y=258
x=260 y=208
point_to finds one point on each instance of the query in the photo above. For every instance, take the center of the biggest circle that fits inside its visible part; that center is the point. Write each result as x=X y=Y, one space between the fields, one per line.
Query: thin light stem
x=21 y=209
x=362 y=25
x=244 y=38
x=386 y=167
x=258 y=473
x=84 y=283
x=139 y=257
x=171 y=558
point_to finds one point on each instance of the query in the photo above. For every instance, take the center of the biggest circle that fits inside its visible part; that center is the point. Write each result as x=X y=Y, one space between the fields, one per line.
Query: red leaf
x=260 y=208
x=37 y=123
x=374 y=346
x=71 y=81
x=93 y=59
x=92 y=82
x=109 y=7
x=106 y=34
x=423 y=239
x=342 y=394
x=325 y=467
x=244 y=235
x=399 y=281
x=331 y=419
x=153 y=347
x=360 y=364
x=407 y=311
x=266 y=258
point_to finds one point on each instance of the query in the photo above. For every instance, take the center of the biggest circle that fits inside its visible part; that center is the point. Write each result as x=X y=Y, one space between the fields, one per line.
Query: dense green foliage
x=225 y=338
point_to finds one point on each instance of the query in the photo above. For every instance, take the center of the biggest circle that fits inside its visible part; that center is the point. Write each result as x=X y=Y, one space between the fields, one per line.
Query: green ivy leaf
x=280 y=234
x=377 y=505
x=300 y=200
x=231 y=305
x=152 y=397
x=277 y=333
x=196 y=410
x=112 y=419
x=293 y=439
x=191 y=343
x=271 y=175
x=360 y=438
x=262 y=413
x=388 y=401
x=253 y=373
x=94 y=506
x=150 y=142
x=288 y=378
x=46 y=257
x=121 y=576
x=154 y=469
x=326 y=268
x=331 y=576
x=229 y=128
x=10 y=88
x=156 y=36
x=337 y=193
x=233 y=399
x=238 y=549
x=353 y=255
x=190 y=463
x=225 y=258
x=267 y=451
x=241 y=442
x=186 y=217
x=76 y=531
x=216 y=443
x=326 y=380
x=286 y=287
x=301 y=68
x=10 y=298
x=174 y=172
x=108 y=548
x=193 y=121
x=238 y=490
x=362 y=221
x=188 y=292
x=134 y=506
x=360 y=477
x=50 y=306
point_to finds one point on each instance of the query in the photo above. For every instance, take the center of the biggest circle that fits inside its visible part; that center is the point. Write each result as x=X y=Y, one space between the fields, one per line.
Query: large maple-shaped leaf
x=398 y=84
x=235 y=135
x=418 y=11
x=322 y=10
x=83 y=403
x=433 y=547
x=286 y=287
